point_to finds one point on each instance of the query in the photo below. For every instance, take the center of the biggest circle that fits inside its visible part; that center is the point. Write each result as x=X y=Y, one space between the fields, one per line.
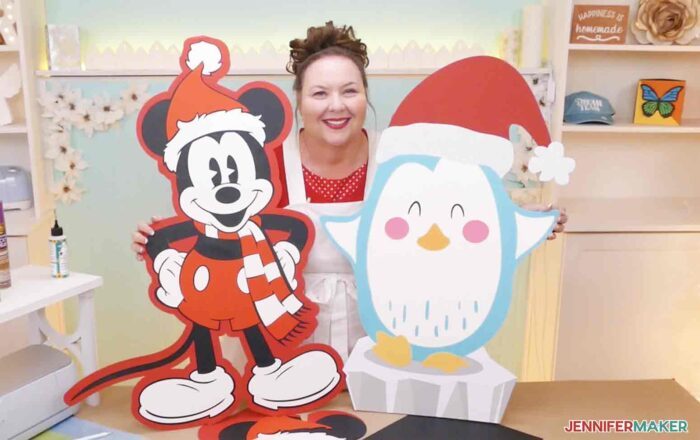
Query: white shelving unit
x=13 y=128
x=633 y=48
x=644 y=214
x=613 y=71
x=690 y=126
x=20 y=140
x=20 y=146
x=634 y=209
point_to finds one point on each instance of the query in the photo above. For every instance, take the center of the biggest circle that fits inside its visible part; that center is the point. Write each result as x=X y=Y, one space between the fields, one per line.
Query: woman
x=324 y=168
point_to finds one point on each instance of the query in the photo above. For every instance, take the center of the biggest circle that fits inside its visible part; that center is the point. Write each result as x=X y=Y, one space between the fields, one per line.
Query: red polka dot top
x=322 y=190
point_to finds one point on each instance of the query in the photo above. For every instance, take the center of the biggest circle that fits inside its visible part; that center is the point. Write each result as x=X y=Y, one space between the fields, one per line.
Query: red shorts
x=211 y=293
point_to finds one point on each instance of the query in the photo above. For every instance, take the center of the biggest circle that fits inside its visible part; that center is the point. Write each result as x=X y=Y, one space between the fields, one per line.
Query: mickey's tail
x=128 y=369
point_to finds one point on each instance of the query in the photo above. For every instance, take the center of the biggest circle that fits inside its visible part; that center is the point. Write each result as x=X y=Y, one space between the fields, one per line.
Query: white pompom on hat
x=198 y=107
x=206 y=54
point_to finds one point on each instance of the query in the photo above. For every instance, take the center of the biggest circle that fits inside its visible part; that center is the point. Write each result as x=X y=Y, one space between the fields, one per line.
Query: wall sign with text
x=599 y=24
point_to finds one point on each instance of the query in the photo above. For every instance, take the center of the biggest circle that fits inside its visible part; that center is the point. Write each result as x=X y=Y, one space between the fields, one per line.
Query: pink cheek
x=475 y=231
x=396 y=228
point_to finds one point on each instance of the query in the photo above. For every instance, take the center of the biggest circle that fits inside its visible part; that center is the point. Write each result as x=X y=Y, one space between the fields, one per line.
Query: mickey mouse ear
x=237 y=431
x=344 y=426
x=152 y=126
x=273 y=108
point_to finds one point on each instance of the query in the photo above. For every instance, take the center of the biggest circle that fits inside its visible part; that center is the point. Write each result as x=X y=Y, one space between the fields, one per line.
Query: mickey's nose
x=227 y=194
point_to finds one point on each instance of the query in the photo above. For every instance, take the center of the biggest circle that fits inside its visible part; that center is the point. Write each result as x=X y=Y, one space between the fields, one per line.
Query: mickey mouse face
x=322 y=425
x=222 y=177
x=223 y=187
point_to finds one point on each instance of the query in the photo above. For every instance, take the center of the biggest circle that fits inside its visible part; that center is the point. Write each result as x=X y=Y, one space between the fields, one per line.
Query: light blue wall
x=106 y=23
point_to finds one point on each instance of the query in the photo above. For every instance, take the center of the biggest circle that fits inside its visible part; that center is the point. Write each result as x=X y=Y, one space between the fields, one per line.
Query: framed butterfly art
x=659 y=102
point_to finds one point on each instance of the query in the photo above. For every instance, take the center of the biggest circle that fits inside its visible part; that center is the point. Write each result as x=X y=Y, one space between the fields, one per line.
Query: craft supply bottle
x=4 y=254
x=58 y=250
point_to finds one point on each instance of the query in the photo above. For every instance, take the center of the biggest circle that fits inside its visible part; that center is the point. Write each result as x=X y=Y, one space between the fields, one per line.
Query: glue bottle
x=58 y=250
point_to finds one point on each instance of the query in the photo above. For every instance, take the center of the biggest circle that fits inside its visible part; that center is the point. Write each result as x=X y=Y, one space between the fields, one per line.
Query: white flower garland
x=63 y=109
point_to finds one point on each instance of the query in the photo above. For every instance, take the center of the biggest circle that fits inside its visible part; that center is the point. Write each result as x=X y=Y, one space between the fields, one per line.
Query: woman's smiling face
x=332 y=101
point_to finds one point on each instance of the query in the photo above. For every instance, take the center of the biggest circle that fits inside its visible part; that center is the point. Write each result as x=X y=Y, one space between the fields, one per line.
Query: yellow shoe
x=445 y=362
x=394 y=350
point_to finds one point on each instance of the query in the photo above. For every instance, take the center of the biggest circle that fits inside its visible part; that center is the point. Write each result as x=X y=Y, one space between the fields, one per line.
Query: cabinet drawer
x=629 y=308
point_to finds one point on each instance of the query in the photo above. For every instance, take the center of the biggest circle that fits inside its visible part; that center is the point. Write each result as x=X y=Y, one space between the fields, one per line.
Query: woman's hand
x=561 y=221
x=140 y=237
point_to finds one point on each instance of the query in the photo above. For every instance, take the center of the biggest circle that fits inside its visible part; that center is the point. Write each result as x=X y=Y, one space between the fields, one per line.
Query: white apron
x=329 y=279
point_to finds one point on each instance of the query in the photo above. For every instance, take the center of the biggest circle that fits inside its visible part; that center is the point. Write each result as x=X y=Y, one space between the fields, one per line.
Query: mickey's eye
x=214 y=167
x=232 y=170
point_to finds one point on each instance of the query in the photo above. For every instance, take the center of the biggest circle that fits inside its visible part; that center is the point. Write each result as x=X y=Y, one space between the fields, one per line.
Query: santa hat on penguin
x=465 y=112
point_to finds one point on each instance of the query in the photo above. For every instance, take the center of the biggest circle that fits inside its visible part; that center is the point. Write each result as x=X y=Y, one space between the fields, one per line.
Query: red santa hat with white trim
x=464 y=112
x=199 y=106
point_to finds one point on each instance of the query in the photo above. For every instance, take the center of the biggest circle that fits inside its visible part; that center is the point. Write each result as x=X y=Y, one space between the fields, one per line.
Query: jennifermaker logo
x=650 y=426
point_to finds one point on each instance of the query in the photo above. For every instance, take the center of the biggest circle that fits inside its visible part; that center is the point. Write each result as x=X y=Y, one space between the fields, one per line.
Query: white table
x=33 y=289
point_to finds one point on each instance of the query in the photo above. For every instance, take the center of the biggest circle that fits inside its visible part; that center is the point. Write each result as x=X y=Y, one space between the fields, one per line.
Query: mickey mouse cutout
x=209 y=141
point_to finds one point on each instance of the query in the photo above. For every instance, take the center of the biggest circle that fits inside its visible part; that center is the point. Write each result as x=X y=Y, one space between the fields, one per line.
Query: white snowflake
x=551 y=163
x=67 y=191
x=134 y=97
x=71 y=164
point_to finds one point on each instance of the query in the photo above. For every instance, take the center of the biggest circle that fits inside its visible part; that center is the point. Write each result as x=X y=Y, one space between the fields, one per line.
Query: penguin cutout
x=435 y=246
x=228 y=262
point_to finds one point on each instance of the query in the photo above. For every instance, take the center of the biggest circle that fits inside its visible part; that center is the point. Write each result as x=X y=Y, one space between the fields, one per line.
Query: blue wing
x=672 y=95
x=648 y=94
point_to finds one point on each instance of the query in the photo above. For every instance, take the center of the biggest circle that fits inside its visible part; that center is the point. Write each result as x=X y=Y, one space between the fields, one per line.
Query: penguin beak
x=434 y=239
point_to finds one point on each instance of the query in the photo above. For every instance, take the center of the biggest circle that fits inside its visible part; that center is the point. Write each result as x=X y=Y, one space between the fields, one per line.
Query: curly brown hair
x=322 y=41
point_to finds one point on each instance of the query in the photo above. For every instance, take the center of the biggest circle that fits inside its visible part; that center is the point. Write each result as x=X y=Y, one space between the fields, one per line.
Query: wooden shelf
x=632 y=214
x=690 y=126
x=13 y=128
x=633 y=48
x=4 y=48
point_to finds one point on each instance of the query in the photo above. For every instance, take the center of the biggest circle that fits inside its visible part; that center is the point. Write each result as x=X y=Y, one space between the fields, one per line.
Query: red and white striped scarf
x=262 y=278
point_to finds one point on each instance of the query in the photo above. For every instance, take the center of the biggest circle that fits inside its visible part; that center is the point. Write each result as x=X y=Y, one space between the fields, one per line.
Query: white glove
x=288 y=256
x=168 y=265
